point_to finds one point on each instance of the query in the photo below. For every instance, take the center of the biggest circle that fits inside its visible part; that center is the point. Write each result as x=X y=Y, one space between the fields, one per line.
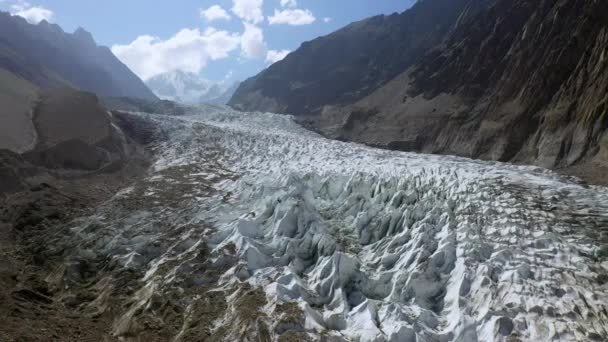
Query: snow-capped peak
x=186 y=87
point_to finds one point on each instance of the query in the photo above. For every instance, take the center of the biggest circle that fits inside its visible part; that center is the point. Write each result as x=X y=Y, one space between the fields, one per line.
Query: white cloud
x=33 y=14
x=189 y=50
x=215 y=12
x=327 y=19
x=252 y=42
x=289 y=3
x=294 y=17
x=274 y=56
x=248 y=10
x=228 y=75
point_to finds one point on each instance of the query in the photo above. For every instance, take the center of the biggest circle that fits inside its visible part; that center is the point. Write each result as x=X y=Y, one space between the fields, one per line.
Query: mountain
x=189 y=88
x=352 y=62
x=504 y=80
x=47 y=57
x=225 y=97
x=181 y=86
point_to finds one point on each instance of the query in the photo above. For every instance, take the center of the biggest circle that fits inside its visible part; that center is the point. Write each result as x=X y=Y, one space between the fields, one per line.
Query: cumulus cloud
x=289 y=3
x=327 y=19
x=215 y=12
x=33 y=14
x=252 y=42
x=294 y=17
x=274 y=56
x=248 y=10
x=189 y=50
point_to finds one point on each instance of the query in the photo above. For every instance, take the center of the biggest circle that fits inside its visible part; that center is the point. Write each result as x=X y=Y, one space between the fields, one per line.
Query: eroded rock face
x=75 y=133
x=17 y=99
x=65 y=114
x=534 y=78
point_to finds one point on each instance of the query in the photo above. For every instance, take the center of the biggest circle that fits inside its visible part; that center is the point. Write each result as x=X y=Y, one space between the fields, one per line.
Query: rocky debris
x=14 y=172
x=81 y=158
x=31 y=307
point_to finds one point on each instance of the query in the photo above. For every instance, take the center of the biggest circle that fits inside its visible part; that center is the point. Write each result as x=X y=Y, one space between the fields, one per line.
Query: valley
x=249 y=227
x=422 y=171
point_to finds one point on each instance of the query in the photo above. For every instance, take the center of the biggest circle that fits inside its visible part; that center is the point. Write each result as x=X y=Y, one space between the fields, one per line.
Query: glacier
x=249 y=227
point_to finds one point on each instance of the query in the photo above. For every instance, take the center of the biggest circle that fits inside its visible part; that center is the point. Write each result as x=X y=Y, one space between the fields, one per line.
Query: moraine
x=249 y=227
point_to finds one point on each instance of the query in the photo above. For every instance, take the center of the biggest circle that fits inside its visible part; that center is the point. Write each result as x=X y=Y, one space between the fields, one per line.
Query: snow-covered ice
x=370 y=244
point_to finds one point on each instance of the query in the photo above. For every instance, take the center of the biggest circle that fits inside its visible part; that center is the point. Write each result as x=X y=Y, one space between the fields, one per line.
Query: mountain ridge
x=49 y=57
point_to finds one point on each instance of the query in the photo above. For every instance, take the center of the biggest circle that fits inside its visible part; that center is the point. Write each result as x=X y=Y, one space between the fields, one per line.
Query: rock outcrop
x=76 y=133
x=515 y=81
x=72 y=134
x=17 y=99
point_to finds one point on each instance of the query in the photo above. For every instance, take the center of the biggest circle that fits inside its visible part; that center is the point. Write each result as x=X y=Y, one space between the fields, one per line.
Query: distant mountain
x=48 y=57
x=225 y=97
x=509 y=80
x=189 y=88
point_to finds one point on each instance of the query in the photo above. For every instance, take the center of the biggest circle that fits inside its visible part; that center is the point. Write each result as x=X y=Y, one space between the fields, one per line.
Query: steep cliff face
x=349 y=64
x=48 y=57
x=533 y=77
x=522 y=81
x=510 y=80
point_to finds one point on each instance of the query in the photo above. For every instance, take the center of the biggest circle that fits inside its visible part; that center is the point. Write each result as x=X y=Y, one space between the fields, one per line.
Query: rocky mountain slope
x=503 y=80
x=48 y=57
x=17 y=97
x=349 y=64
x=69 y=133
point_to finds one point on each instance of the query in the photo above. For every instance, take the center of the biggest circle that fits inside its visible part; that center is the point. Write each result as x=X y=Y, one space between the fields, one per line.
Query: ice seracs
x=308 y=238
x=387 y=245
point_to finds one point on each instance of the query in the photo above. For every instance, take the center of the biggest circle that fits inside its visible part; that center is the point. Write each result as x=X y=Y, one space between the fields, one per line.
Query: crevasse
x=364 y=244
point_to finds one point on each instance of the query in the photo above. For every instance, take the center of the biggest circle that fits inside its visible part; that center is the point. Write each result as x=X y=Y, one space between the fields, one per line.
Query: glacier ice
x=365 y=244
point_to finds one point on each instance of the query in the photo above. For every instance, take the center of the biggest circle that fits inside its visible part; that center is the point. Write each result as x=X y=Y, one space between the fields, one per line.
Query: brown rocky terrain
x=17 y=97
x=516 y=81
x=30 y=308
x=77 y=156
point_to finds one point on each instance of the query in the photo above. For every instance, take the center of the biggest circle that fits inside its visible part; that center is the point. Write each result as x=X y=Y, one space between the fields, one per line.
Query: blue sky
x=233 y=40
